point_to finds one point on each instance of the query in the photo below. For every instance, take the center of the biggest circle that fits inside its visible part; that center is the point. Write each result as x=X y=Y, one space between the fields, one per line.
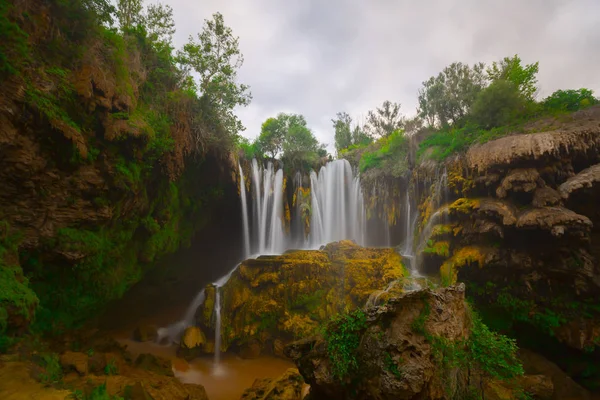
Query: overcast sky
x=319 y=57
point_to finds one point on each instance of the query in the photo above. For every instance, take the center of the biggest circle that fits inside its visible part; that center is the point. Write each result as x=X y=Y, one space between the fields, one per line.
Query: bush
x=343 y=333
x=498 y=104
x=569 y=100
x=52 y=370
x=389 y=153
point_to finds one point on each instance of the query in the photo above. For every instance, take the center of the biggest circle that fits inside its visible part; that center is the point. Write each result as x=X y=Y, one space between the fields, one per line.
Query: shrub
x=569 y=100
x=389 y=153
x=498 y=104
x=343 y=333
x=52 y=370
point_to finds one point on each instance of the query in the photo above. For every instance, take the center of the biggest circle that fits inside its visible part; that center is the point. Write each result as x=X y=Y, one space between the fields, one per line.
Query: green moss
x=391 y=366
x=343 y=335
x=441 y=248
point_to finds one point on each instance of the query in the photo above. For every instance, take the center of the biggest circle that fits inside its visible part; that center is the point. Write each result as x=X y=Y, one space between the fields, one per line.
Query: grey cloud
x=318 y=57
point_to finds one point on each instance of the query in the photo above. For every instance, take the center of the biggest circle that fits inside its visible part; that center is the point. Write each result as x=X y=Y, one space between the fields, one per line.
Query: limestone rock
x=556 y=220
x=286 y=387
x=145 y=333
x=544 y=146
x=519 y=180
x=588 y=178
x=150 y=362
x=546 y=196
x=76 y=361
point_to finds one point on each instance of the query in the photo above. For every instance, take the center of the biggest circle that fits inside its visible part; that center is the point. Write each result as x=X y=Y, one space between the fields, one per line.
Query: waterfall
x=244 y=213
x=217 y=325
x=337 y=205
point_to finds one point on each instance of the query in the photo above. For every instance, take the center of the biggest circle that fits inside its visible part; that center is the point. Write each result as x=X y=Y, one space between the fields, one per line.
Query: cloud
x=317 y=58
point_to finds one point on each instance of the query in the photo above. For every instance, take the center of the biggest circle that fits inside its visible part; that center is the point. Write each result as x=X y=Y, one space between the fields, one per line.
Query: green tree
x=300 y=147
x=216 y=58
x=447 y=98
x=103 y=9
x=160 y=24
x=384 y=120
x=498 y=104
x=360 y=137
x=274 y=131
x=510 y=69
x=343 y=131
x=569 y=100
x=129 y=13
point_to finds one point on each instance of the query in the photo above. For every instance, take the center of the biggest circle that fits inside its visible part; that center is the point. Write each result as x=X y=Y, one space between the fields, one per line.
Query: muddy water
x=228 y=381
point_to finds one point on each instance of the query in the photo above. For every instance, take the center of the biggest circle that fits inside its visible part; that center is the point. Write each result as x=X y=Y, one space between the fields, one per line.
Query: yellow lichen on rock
x=288 y=296
x=464 y=205
x=464 y=256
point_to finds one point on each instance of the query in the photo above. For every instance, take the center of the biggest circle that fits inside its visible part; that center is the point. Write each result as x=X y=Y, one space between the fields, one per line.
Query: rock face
x=275 y=299
x=395 y=360
x=523 y=232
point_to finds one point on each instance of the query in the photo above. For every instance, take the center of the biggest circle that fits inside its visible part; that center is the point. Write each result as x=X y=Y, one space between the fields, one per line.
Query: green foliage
x=249 y=150
x=111 y=368
x=216 y=57
x=492 y=353
x=343 y=333
x=389 y=153
x=569 y=100
x=391 y=366
x=52 y=371
x=14 y=47
x=499 y=104
x=15 y=294
x=129 y=13
x=447 y=98
x=346 y=137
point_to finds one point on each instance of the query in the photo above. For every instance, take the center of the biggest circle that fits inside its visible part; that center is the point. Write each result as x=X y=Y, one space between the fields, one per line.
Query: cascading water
x=337 y=205
x=244 y=213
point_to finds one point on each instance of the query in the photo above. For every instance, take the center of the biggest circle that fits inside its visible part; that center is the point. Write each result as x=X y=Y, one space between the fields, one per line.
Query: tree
x=103 y=9
x=343 y=131
x=497 y=105
x=300 y=146
x=384 y=120
x=160 y=24
x=447 y=98
x=523 y=77
x=129 y=13
x=360 y=137
x=216 y=57
x=274 y=131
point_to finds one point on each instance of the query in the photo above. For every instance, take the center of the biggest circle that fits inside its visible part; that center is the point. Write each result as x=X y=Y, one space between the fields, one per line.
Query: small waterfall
x=217 y=325
x=268 y=210
x=244 y=213
x=337 y=205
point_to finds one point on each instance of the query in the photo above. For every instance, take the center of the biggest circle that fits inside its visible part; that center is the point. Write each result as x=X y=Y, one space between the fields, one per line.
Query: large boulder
x=286 y=387
x=396 y=355
x=276 y=299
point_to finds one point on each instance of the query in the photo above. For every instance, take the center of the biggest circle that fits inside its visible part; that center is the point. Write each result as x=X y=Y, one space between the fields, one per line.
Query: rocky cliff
x=515 y=219
x=105 y=164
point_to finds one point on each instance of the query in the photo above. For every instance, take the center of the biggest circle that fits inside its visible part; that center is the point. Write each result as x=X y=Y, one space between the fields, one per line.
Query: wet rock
x=145 y=333
x=286 y=387
x=289 y=296
x=251 y=350
x=586 y=179
x=76 y=361
x=556 y=220
x=138 y=392
x=150 y=362
x=278 y=346
x=192 y=343
x=546 y=196
x=519 y=180
x=540 y=387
